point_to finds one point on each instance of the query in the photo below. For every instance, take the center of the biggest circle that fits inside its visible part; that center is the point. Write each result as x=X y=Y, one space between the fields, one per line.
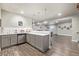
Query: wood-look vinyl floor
x=62 y=46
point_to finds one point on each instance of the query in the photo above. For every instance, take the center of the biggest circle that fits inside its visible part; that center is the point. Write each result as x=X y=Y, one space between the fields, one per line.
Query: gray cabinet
x=40 y=42
x=0 y=41
x=28 y=39
x=13 y=39
x=8 y=40
x=0 y=13
x=21 y=38
x=5 y=41
x=32 y=39
x=45 y=42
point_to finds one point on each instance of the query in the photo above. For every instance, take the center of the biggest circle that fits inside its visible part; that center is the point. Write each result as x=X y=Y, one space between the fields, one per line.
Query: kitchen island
x=39 y=40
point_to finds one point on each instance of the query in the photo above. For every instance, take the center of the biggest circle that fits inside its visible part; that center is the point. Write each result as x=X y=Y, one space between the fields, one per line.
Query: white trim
x=68 y=35
x=74 y=40
x=65 y=34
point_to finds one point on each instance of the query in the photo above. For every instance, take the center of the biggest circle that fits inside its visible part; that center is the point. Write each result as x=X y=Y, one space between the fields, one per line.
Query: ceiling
x=41 y=11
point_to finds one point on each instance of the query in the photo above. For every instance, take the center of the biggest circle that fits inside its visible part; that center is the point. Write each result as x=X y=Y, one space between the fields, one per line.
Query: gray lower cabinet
x=32 y=40
x=13 y=39
x=45 y=42
x=28 y=39
x=21 y=38
x=8 y=40
x=0 y=41
x=5 y=40
x=40 y=42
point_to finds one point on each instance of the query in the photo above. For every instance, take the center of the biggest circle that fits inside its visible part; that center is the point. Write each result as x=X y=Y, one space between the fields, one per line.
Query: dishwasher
x=21 y=38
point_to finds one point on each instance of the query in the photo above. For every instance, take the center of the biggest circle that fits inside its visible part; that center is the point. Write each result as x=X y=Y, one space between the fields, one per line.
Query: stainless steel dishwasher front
x=21 y=38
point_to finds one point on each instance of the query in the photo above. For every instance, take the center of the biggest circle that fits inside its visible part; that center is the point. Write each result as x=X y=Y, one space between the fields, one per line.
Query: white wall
x=64 y=31
x=75 y=28
x=0 y=20
x=11 y=20
x=53 y=28
x=0 y=13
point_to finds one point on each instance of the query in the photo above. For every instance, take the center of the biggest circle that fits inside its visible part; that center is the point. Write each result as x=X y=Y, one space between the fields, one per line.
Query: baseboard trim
x=64 y=34
x=74 y=40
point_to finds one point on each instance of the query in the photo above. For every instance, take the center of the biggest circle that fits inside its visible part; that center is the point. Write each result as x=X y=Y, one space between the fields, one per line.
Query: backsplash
x=10 y=30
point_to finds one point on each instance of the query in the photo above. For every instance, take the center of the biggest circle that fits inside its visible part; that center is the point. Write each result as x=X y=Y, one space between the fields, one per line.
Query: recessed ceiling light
x=38 y=23
x=51 y=27
x=59 y=14
x=57 y=21
x=45 y=22
x=22 y=12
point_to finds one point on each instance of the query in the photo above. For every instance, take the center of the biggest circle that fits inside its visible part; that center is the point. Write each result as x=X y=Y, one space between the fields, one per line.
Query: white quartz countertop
x=38 y=34
x=7 y=33
x=41 y=33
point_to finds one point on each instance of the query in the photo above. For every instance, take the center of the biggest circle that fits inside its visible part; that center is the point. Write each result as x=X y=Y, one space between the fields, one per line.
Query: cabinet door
x=28 y=38
x=5 y=41
x=0 y=13
x=31 y=37
x=32 y=40
x=0 y=41
x=39 y=42
x=13 y=39
x=46 y=42
x=21 y=39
